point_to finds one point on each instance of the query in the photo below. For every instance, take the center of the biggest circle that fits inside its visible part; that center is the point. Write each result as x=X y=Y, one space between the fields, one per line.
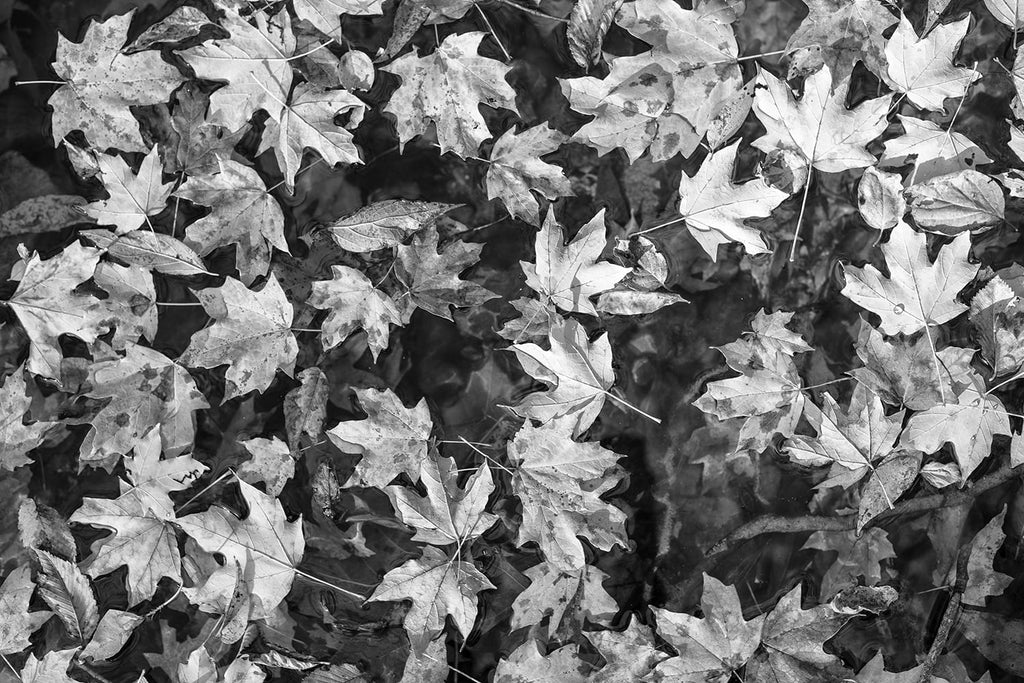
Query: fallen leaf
x=516 y=169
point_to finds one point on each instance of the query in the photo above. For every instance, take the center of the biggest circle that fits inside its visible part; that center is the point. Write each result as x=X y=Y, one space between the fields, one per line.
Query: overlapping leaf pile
x=221 y=517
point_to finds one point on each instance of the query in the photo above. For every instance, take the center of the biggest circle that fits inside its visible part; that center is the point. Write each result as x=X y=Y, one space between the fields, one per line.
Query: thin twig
x=534 y=12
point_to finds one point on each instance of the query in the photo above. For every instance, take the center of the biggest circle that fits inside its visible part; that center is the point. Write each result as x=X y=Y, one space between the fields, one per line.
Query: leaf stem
x=319 y=47
x=949 y=615
x=209 y=486
x=534 y=12
x=803 y=205
x=629 y=405
x=494 y=34
x=11 y=666
x=40 y=83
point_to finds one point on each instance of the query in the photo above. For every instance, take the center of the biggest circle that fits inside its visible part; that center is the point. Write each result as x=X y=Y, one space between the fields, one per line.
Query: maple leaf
x=627 y=104
x=568 y=597
x=438 y=587
x=853 y=439
x=560 y=482
x=111 y=634
x=48 y=306
x=901 y=370
x=699 y=55
x=767 y=394
x=715 y=208
x=272 y=464
x=837 y=33
x=385 y=224
x=142 y=539
x=133 y=197
x=528 y=664
x=997 y=316
x=149 y=250
x=326 y=14
x=935 y=151
x=196 y=145
x=969 y=424
x=952 y=203
x=628 y=655
x=354 y=303
x=18 y=623
x=251 y=334
x=445 y=89
x=130 y=304
x=578 y=373
x=431 y=279
x=103 y=82
x=17 y=438
x=830 y=137
x=264 y=543
x=253 y=61
x=858 y=556
x=307 y=122
x=568 y=275
x=52 y=668
x=446 y=514
x=917 y=294
x=794 y=641
x=922 y=68
x=713 y=647
x=244 y=214
x=516 y=169
x=392 y=440
x=145 y=390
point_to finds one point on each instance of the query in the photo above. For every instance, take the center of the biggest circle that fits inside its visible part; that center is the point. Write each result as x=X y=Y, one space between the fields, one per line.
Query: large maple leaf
x=516 y=169
x=560 y=483
x=307 y=122
x=578 y=373
x=326 y=14
x=438 y=587
x=141 y=391
x=568 y=275
x=923 y=68
x=969 y=424
x=715 y=208
x=354 y=303
x=253 y=61
x=767 y=395
x=265 y=544
x=446 y=89
x=244 y=214
x=917 y=294
x=712 y=647
x=838 y=33
x=392 y=440
x=103 y=82
x=143 y=539
x=48 y=305
x=818 y=126
x=431 y=279
x=447 y=514
x=133 y=196
x=934 y=150
x=251 y=334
